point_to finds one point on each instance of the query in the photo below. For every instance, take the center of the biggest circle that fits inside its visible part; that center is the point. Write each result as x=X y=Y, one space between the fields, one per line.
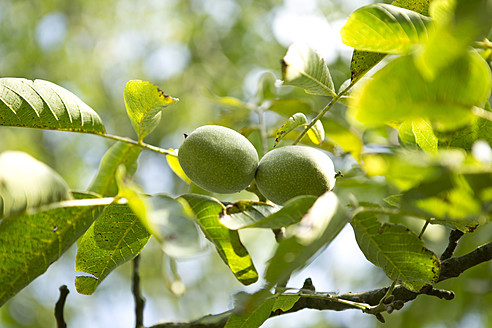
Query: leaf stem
x=139 y=144
x=480 y=112
x=423 y=228
x=333 y=101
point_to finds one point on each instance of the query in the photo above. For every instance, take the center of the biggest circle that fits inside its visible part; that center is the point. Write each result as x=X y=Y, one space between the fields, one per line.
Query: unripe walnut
x=218 y=159
x=290 y=171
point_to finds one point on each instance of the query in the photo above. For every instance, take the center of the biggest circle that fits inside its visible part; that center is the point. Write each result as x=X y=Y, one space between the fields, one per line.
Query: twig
x=60 y=304
x=333 y=101
x=450 y=268
x=423 y=229
x=454 y=237
x=137 y=294
x=455 y=266
x=136 y=143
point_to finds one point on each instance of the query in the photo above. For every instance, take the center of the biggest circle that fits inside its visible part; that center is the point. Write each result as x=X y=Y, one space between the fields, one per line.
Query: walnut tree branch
x=137 y=294
x=450 y=268
x=60 y=304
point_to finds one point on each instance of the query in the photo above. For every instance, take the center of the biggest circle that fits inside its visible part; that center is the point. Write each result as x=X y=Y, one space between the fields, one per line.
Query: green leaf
x=458 y=25
x=244 y=214
x=424 y=135
x=386 y=29
x=119 y=154
x=29 y=244
x=478 y=129
x=45 y=105
x=144 y=104
x=363 y=61
x=285 y=302
x=406 y=136
x=319 y=226
x=295 y=121
x=116 y=237
x=401 y=254
x=172 y=161
x=164 y=217
x=446 y=199
x=253 y=318
x=419 y=6
x=305 y=68
x=344 y=136
x=399 y=92
x=207 y=212
x=26 y=184
x=317 y=133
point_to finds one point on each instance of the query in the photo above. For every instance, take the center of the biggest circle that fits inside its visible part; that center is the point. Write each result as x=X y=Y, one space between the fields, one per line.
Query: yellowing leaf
x=172 y=161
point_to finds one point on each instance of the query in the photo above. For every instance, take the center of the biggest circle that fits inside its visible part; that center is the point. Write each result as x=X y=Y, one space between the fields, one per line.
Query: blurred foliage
x=199 y=51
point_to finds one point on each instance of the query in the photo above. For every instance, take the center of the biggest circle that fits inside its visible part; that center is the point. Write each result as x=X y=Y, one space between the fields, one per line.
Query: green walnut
x=290 y=171
x=218 y=159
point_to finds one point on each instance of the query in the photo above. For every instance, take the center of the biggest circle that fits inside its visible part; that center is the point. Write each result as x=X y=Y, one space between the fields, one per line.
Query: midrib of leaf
x=145 y=116
x=303 y=73
x=48 y=245
x=117 y=248
x=381 y=250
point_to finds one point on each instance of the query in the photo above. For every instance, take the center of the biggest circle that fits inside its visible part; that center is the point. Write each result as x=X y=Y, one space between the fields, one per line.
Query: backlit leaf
x=45 y=105
x=119 y=154
x=316 y=133
x=29 y=244
x=116 y=237
x=363 y=61
x=401 y=254
x=172 y=161
x=386 y=29
x=399 y=92
x=144 y=104
x=207 y=212
x=296 y=120
x=305 y=68
x=424 y=135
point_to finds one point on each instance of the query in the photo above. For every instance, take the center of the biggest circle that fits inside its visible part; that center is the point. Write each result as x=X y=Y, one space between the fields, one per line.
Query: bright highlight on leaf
x=144 y=104
x=296 y=120
x=305 y=68
x=316 y=133
x=172 y=161
x=385 y=28
x=45 y=105
x=446 y=101
x=26 y=184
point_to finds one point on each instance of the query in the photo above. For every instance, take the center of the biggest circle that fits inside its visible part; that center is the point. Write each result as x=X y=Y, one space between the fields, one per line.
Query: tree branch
x=450 y=268
x=60 y=304
x=454 y=237
x=137 y=294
